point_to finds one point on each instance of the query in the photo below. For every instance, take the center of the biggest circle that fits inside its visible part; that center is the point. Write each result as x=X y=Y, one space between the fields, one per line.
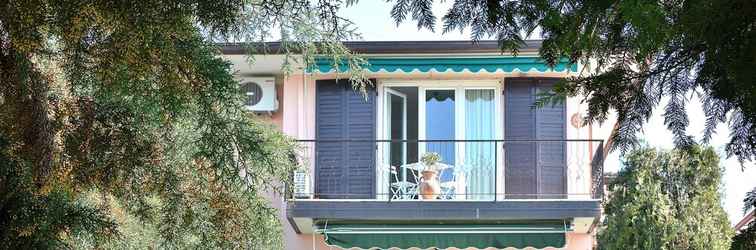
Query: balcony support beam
x=442 y=211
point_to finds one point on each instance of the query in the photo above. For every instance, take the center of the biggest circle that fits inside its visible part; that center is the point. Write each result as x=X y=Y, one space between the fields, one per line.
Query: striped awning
x=384 y=236
x=492 y=64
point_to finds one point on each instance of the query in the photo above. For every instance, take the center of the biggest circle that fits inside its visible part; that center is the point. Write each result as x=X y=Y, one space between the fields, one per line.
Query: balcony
x=493 y=180
x=471 y=170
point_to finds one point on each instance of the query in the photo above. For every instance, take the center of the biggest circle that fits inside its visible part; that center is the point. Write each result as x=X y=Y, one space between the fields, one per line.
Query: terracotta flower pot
x=429 y=187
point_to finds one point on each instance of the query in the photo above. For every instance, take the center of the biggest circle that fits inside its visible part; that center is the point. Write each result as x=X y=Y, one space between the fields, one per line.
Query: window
x=448 y=113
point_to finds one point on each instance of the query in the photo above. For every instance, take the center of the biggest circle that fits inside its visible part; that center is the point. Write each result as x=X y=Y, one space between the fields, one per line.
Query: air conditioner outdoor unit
x=301 y=184
x=260 y=93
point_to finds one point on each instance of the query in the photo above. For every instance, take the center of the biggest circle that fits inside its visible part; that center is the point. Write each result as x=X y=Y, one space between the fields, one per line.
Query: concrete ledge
x=376 y=210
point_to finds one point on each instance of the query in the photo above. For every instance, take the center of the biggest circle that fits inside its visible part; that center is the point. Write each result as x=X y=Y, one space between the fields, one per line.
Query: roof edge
x=392 y=47
x=745 y=220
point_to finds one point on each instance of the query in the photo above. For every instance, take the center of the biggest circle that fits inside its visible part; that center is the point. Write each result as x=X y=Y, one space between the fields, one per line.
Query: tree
x=666 y=200
x=110 y=107
x=637 y=52
x=746 y=238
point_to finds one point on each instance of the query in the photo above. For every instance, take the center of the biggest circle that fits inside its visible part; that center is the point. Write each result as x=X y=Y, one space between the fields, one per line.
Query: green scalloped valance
x=504 y=64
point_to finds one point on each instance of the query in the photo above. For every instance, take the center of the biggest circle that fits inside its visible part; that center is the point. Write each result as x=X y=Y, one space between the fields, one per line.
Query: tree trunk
x=26 y=109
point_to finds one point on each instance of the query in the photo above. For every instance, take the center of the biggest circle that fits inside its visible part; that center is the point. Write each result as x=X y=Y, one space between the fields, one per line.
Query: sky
x=372 y=19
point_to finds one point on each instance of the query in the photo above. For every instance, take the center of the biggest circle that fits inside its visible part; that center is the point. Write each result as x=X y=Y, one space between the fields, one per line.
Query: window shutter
x=550 y=125
x=533 y=167
x=520 y=170
x=344 y=169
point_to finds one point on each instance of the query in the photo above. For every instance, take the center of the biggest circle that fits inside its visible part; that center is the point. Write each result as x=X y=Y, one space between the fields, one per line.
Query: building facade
x=446 y=149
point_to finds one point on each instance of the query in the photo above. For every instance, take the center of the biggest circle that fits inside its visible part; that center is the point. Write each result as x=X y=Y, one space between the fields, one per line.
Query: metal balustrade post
x=389 y=192
x=496 y=170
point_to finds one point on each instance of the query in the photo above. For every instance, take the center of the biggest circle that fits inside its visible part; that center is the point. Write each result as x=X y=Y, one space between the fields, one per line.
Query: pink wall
x=293 y=89
x=295 y=111
x=277 y=117
x=579 y=241
x=298 y=107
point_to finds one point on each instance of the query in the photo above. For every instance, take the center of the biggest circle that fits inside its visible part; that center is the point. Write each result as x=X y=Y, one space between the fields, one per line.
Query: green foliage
x=307 y=31
x=129 y=102
x=636 y=52
x=430 y=158
x=34 y=221
x=666 y=200
x=746 y=238
x=749 y=201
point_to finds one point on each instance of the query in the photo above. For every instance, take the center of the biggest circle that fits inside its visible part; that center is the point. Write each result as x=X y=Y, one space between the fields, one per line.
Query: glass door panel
x=440 y=123
x=479 y=163
x=395 y=155
x=396 y=127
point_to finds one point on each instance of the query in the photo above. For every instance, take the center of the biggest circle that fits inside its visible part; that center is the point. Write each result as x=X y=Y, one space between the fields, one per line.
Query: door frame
x=387 y=128
x=459 y=85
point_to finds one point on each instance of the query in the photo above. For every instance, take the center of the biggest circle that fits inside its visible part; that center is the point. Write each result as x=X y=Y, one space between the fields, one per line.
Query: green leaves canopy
x=666 y=200
x=636 y=52
x=130 y=100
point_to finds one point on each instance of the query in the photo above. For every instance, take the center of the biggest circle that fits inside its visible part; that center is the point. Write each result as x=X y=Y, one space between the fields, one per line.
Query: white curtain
x=480 y=159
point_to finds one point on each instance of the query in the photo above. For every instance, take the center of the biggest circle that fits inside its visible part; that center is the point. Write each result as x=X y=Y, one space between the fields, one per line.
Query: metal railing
x=473 y=170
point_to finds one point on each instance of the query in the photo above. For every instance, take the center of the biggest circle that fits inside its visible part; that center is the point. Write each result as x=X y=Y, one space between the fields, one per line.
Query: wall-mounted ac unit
x=301 y=184
x=260 y=93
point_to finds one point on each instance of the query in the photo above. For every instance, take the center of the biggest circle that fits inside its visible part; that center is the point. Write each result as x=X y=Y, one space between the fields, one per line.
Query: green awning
x=369 y=236
x=489 y=64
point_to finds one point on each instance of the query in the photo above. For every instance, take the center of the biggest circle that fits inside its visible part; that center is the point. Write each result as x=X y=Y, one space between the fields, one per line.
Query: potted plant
x=430 y=187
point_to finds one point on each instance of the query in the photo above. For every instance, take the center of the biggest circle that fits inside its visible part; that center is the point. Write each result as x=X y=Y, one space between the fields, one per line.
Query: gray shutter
x=344 y=169
x=520 y=169
x=550 y=125
x=533 y=167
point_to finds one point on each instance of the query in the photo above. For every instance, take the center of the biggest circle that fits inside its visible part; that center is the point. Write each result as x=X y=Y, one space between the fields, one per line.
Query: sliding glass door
x=479 y=162
x=458 y=121
x=463 y=114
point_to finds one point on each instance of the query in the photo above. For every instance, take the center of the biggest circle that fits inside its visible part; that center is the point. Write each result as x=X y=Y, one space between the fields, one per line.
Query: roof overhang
x=745 y=220
x=268 y=58
x=391 y=47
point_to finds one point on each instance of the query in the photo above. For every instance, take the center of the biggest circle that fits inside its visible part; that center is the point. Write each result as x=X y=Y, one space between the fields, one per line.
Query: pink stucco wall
x=577 y=241
x=296 y=114
x=298 y=111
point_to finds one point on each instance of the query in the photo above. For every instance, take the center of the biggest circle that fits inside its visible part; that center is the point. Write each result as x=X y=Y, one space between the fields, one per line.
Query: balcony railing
x=468 y=170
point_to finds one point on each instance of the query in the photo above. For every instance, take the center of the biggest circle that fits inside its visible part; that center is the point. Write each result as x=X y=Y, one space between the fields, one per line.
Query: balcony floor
x=303 y=213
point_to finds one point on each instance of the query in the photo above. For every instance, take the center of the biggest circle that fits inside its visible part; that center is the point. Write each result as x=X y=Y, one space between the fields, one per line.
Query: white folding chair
x=401 y=189
x=449 y=188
